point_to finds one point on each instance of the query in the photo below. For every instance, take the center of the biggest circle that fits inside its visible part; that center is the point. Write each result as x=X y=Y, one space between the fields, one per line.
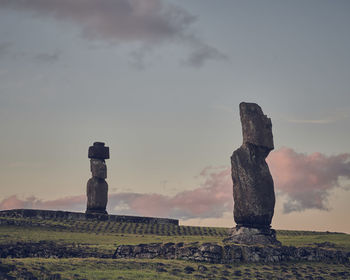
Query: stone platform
x=250 y=236
x=207 y=252
x=65 y=215
x=230 y=254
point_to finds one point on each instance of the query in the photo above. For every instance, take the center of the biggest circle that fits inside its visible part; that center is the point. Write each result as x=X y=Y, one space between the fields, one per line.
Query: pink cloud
x=211 y=199
x=306 y=181
x=72 y=203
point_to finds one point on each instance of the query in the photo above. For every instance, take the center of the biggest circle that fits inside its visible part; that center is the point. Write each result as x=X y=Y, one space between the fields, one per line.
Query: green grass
x=106 y=242
x=105 y=236
x=340 y=240
x=171 y=269
x=104 y=227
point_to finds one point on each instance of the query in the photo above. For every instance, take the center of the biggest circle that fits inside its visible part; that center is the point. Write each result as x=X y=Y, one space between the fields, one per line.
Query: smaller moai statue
x=97 y=187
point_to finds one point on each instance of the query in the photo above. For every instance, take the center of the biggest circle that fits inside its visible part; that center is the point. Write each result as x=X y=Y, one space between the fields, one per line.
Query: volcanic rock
x=98 y=150
x=97 y=187
x=253 y=189
x=256 y=127
x=97 y=195
x=98 y=168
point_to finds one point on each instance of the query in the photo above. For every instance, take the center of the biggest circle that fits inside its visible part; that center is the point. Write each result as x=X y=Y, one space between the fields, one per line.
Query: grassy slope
x=79 y=269
x=105 y=236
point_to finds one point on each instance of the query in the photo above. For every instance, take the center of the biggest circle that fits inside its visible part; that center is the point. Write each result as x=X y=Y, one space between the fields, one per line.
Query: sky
x=160 y=82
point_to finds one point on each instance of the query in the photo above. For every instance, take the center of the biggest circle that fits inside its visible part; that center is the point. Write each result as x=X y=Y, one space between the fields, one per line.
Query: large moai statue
x=253 y=189
x=97 y=187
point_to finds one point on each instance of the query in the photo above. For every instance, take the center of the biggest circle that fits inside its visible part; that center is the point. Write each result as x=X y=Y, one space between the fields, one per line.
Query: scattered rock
x=161 y=269
x=189 y=269
x=202 y=268
x=198 y=276
x=325 y=244
x=55 y=276
x=175 y=271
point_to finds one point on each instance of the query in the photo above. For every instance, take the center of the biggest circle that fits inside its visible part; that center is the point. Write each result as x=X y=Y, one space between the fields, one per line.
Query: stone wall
x=48 y=249
x=213 y=253
x=208 y=252
x=49 y=214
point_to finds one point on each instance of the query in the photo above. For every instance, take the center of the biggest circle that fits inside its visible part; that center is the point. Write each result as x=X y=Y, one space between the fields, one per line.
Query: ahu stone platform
x=65 y=215
x=230 y=253
x=207 y=252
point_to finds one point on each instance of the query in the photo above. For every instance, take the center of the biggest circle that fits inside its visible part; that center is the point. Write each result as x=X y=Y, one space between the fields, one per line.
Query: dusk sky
x=160 y=82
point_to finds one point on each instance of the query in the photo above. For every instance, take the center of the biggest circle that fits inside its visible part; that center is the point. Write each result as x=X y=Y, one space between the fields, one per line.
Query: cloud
x=335 y=116
x=320 y=121
x=211 y=199
x=48 y=57
x=305 y=180
x=149 y=22
x=203 y=53
x=72 y=203
x=138 y=57
x=4 y=48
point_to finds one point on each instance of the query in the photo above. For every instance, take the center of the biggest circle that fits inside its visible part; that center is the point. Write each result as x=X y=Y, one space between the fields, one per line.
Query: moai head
x=256 y=127
x=98 y=151
x=98 y=168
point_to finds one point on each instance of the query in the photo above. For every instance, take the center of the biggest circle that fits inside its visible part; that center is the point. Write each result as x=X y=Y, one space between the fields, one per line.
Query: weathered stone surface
x=98 y=168
x=97 y=187
x=256 y=127
x=253 y=189
x=233 y=253
x=48 y=249
x=97 y=195
x=207 y=252
x=251 y=236
x=98 y=150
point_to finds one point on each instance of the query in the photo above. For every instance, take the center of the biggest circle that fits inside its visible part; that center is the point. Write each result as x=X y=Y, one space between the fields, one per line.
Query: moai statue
x=253 y=188
x=97 y=187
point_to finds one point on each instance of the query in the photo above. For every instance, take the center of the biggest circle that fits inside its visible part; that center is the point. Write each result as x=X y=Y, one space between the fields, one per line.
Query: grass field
x=170 y=269
x=104 y=236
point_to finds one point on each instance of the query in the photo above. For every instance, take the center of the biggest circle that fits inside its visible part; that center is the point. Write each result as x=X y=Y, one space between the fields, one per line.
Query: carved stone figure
x=253 y=189
x=97 y=187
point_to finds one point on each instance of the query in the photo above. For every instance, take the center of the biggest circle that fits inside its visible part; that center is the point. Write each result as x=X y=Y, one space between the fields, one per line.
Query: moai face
x=98 y=168
x=256 y=127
